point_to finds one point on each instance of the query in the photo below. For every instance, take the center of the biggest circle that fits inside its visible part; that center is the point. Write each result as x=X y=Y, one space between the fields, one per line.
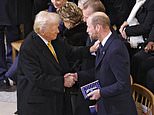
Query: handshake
x=70 y=79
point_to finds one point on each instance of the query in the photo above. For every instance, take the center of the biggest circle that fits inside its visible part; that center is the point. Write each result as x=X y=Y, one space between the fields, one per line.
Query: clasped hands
x=70 y=79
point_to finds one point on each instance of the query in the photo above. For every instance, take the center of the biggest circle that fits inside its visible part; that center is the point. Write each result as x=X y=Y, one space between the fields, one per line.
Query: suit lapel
x=59 y=49
x=104 y=50
x=100 y=56
x=45 y=51
x=51 y=58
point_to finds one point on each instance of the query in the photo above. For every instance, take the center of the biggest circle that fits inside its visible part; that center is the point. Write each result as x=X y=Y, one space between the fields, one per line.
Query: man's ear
x=98 y=27
x=42 y=30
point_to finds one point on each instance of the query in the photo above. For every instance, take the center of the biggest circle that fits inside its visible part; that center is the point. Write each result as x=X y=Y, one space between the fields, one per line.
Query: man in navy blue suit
x=111 y=69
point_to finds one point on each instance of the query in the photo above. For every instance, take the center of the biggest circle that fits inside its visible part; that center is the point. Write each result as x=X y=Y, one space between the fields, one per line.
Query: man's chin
x=93 y=38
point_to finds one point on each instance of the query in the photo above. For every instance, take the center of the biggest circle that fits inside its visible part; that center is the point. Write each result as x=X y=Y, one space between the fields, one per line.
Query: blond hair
x=71 y=12
x=43 y=18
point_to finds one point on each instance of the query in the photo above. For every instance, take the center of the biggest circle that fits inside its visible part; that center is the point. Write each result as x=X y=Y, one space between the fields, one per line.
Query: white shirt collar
x=44 y=40
x=106 y=38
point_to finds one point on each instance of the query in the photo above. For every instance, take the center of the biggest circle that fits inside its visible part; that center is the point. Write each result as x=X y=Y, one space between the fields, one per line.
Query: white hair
x=43 y=18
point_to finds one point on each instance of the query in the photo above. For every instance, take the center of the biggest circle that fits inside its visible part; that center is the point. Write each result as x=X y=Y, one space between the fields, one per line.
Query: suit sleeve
x=86 y=76
x=77 y=52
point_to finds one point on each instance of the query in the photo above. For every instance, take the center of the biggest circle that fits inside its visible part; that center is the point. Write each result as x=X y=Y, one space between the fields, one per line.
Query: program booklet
x=89 y=88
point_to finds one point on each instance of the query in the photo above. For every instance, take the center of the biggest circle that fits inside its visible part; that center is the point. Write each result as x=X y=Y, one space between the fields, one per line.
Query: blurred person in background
x=145 y=20
x=9 y=32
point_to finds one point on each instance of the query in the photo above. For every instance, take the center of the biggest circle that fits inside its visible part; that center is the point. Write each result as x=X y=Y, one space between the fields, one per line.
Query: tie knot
x=49 y=43
x=100 y=46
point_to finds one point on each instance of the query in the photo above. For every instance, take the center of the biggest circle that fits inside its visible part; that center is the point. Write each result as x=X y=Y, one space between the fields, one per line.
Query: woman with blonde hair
x=72 y=17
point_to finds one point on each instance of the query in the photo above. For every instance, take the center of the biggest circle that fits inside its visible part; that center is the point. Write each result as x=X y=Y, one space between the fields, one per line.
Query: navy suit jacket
x=113 y=71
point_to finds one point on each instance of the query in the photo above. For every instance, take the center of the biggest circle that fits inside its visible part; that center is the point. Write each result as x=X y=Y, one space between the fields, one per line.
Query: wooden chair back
x=144 y=99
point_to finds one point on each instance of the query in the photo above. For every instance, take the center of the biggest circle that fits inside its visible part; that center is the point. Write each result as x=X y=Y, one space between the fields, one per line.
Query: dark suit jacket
x=40 y=77
x=145 y=16
x=87 y=66
x=112 y=70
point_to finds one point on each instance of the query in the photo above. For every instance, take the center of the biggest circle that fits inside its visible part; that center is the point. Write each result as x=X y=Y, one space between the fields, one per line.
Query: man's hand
x=125 y=23
x=94 y=95
x=122 y=29
x=95 y=46
x=69 y=79
x=149 y=47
